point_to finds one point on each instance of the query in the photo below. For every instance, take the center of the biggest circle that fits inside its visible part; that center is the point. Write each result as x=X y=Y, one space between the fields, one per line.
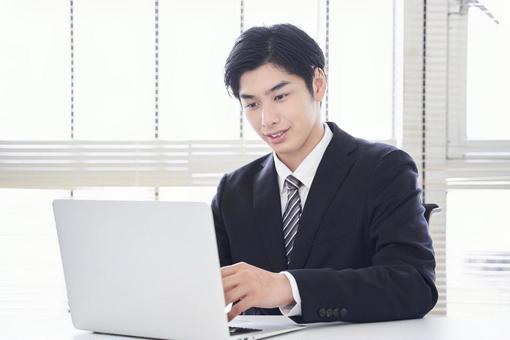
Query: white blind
x=435 y=93
x=70 y=164
x=424 y=118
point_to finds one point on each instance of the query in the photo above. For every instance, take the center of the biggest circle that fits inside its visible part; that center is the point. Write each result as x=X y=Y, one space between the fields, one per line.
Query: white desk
x=429 y=328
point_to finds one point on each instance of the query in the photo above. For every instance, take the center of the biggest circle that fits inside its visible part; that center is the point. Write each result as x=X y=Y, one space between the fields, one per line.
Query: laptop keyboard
x=241 y=330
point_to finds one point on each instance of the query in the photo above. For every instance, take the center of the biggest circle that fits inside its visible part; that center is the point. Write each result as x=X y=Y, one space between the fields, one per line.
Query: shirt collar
x=305 y=172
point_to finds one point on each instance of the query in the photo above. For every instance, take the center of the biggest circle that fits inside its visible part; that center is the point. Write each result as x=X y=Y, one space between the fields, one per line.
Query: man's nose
x=269 y=115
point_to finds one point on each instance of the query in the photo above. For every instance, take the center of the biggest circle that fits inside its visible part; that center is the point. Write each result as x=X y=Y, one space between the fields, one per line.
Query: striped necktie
x=291 y=214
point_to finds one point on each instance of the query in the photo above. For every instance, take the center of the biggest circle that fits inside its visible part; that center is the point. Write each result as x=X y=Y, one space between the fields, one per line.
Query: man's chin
x=281 y=149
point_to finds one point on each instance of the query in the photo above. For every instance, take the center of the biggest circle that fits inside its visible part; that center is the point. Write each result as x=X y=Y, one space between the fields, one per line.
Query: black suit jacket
x=362 y=251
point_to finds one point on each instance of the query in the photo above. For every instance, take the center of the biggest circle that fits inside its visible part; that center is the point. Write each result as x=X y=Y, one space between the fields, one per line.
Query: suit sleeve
x=222 y=239
x=399 y=283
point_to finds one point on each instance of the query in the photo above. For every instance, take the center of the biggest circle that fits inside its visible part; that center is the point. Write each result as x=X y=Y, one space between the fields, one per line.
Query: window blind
x=434 y=132
x=424 y=106
x=71 y=164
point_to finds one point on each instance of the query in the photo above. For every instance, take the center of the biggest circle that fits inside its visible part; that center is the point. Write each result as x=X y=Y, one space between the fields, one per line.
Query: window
x=194 y=103
x=361 y=67
x=31 y=274
x=478 y=72
x=85 y=90
x=488 y=71
x=34 y=70
x=192 y=194
x=113 y=69
x=114 y=193
x=478 y=164
x=478 y=243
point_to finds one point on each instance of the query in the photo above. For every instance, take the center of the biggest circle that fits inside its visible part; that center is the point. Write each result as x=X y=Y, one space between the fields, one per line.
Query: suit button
x=336 y=313
x=329 y=312
x=343 y=312
x=322 y=312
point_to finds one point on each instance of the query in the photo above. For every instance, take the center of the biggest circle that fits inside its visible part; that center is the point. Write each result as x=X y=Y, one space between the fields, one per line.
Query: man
x=328 y=227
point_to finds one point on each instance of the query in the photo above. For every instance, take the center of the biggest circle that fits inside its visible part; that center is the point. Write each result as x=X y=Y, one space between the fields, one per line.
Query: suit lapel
x=268 y=214
x=332 y=171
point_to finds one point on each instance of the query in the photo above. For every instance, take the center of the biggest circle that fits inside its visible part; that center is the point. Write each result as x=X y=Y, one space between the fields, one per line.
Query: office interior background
x=124 y=99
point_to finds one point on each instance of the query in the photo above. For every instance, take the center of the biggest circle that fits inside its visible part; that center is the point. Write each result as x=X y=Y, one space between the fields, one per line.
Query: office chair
x=430 y=208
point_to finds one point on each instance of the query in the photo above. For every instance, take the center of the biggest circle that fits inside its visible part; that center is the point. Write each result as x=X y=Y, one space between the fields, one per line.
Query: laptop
x=147 y=269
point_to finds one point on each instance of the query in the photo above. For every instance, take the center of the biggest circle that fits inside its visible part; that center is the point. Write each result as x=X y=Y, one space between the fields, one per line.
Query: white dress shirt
x=305 y=173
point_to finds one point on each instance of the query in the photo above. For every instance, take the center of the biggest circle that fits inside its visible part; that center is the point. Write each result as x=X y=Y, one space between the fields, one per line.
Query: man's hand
x=250 y=286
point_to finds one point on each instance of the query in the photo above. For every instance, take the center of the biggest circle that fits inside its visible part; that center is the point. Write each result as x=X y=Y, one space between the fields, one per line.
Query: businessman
x=327 y=227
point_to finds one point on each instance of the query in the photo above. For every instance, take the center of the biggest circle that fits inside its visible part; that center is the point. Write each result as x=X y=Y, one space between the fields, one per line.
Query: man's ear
x=320 y=84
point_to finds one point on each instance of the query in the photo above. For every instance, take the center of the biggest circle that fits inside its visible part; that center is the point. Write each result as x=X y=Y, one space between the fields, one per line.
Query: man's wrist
x=293 y=308
x=288 y=298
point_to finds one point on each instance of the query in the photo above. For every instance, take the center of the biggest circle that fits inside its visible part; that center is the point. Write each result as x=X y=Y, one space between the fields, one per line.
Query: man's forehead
x=264 y=80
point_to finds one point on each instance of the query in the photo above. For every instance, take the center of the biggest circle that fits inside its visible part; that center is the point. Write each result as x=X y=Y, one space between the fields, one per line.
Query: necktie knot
x=292 y=183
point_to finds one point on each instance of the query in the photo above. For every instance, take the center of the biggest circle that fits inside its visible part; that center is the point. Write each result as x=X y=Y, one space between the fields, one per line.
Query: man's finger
x=229 y=270
x=232 y=269
x=238 y=308
x=230 y=282
x=235 y=295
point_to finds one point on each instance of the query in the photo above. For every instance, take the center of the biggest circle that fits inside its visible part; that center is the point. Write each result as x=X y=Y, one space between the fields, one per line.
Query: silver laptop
x=147 y=269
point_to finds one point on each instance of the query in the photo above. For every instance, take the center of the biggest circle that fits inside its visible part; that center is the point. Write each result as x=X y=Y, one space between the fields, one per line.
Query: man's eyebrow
x=277 y=86
x=246 y=96
x=272 y=89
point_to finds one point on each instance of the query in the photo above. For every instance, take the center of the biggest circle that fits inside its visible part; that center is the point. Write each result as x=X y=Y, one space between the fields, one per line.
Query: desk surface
x=429 y=328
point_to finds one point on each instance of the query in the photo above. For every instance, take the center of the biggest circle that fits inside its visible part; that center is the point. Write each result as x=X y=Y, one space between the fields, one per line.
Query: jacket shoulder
x=247 y=172
x=378 y=153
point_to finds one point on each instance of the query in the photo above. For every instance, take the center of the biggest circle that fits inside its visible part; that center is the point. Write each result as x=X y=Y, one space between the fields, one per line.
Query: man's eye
x=250 y=105
x=280 y=96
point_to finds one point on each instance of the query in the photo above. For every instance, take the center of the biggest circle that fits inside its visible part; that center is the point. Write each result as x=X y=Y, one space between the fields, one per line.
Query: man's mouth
x=276 y=134
x=277 y=137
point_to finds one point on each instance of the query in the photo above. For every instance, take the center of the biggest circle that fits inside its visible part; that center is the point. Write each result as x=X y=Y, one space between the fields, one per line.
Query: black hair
x=283 y=45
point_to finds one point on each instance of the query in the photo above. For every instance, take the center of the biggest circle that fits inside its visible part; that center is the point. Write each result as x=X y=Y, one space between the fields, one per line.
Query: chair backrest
x=429 y=209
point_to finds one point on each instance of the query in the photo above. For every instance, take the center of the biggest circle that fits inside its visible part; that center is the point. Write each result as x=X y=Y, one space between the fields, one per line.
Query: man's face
x=281 y=110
